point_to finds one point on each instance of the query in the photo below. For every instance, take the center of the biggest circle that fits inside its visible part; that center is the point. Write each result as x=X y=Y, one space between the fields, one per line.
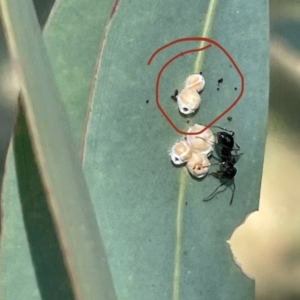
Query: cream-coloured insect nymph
x=202 y=143
x=181 y=152
x=195 y=82
x=198 y=165
x=188 y=101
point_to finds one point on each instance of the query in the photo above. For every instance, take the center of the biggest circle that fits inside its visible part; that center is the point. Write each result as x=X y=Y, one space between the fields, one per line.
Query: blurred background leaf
x=267 y=244
x=28 y=224
x=9 y=91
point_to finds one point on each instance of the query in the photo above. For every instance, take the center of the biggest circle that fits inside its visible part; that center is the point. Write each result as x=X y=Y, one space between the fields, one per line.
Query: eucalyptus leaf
x=162 y=241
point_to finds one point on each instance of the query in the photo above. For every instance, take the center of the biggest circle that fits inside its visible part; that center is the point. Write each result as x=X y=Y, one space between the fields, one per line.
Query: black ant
x=228 y=158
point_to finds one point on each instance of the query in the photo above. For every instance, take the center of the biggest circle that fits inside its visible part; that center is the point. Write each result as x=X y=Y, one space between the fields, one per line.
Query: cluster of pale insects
x=195 y=149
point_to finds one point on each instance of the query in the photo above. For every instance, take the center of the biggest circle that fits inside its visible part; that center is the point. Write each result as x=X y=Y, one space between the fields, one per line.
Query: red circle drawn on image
x=189 y=39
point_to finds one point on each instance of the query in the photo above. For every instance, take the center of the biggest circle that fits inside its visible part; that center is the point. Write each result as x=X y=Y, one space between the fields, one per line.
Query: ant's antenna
x=215 y=126
x=237 y=145
x=205 y=140
x=216 y=164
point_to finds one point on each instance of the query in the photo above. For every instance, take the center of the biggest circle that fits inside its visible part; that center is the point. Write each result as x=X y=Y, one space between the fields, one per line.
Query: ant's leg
x=212 y=173
x=202 y=138
x=214 y=192
x=238 y=155
x=237 y=146
x=217 y=158
x=210 y=166
x=232 y=195
x=225 y=129
x=217 y=174
x=216 y=164
x=237 y=149
x=236 y=152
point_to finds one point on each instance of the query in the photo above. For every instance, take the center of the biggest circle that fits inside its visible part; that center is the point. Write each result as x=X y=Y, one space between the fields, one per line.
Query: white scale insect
x=194 y=151
x=188 y=100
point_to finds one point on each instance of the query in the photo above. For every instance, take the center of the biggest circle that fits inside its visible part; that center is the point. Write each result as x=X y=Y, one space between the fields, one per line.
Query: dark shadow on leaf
x=44 y=246
x=43 y=9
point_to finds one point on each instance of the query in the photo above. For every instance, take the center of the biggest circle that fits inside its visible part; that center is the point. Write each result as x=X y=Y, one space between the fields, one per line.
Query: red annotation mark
x=189 y=39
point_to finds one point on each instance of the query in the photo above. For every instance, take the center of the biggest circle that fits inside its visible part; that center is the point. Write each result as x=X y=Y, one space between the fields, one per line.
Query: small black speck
x=230 y=66
x=200 y=73
x=185 y=252
x=150 y=240
x=147 y=101
x=185 y=203
x=220 y=81
x=188 y=121
x=174 y=95
x=229 y=119
x=218 y=89
x=235 y=88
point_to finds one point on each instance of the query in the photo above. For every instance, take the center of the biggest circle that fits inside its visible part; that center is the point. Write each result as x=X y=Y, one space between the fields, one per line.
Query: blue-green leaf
x=162 y=241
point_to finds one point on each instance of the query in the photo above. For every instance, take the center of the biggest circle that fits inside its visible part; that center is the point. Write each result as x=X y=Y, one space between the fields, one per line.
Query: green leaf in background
x=74 y=224
x=162 y=241
x=9 y=90
x=38 y=246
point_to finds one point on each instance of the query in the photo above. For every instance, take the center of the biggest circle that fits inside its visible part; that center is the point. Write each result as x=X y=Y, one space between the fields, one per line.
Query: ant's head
x=225 y=139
